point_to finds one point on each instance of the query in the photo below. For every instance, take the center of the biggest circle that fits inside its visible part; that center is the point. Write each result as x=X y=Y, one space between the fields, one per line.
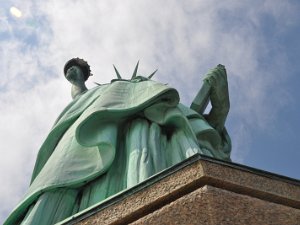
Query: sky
x=257 y=41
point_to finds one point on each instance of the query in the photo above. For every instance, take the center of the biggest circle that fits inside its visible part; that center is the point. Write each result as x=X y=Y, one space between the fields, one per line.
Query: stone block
x=201 y=190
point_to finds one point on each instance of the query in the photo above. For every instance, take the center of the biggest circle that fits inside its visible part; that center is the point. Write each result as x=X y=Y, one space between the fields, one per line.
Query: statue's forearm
x=217 y=116
x=201 y=100
x=215 y=89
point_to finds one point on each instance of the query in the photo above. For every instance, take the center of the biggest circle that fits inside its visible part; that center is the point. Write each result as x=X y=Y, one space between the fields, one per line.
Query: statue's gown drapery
x=111 y=138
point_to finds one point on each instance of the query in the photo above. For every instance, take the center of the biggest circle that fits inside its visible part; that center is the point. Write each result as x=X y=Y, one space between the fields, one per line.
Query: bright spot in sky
x=15 y=12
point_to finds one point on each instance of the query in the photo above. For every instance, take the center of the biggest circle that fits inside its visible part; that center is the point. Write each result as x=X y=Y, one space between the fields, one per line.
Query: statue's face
x=74 y=74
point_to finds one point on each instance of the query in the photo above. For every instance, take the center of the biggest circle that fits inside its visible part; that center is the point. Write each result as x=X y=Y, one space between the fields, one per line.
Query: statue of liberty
x=117 y=135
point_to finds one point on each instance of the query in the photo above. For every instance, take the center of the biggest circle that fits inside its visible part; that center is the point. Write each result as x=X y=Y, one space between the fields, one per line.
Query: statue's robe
x=115 y=136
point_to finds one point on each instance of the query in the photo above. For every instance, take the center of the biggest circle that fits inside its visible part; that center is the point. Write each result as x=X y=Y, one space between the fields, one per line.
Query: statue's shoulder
x=80 y=103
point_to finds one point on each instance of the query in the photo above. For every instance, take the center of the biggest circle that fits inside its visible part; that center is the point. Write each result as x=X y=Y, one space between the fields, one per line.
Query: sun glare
x=15 y=12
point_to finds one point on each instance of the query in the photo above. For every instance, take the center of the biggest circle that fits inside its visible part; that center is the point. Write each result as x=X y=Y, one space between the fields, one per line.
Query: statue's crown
x=134 y=75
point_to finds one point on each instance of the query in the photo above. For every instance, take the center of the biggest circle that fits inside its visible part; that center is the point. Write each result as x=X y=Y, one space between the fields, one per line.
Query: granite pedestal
x=201 y=190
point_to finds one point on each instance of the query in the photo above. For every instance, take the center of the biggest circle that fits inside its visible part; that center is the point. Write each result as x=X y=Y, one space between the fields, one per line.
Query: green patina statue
x=116 y=135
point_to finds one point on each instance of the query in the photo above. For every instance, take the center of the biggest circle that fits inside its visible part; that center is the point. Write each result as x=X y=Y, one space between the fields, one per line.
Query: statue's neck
x=78 y=89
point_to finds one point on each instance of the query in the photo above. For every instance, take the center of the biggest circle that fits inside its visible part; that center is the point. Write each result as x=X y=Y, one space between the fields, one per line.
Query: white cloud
x=182 y=39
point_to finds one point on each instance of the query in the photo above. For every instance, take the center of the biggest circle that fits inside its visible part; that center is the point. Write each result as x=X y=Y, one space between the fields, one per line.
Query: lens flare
x=15 y=12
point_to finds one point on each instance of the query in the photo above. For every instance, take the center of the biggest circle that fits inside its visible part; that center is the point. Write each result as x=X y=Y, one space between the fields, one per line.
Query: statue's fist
x=217 y=79
x=219 y=96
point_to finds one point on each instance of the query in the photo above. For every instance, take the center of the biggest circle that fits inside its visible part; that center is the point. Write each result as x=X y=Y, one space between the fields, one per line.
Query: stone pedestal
x=201 y=190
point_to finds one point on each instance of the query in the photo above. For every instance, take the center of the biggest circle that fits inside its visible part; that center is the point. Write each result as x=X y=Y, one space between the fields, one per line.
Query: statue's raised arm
x=215 y=89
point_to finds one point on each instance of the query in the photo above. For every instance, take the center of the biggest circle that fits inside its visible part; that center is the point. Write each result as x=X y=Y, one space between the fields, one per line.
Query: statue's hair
x=81 y=63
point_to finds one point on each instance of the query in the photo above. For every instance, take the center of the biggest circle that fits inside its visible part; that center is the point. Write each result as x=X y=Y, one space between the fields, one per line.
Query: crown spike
x=152 y=74
x=117 y=72
x=135 y=70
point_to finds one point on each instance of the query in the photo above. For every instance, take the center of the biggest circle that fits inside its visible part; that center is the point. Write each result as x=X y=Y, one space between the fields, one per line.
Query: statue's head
x=80 y=63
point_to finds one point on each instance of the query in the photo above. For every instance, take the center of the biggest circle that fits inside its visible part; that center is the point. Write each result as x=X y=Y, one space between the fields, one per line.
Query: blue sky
x=257 y=41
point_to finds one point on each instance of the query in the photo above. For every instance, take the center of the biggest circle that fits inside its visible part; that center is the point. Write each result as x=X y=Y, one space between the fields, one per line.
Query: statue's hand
x=219 y=96
x=217 y=79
